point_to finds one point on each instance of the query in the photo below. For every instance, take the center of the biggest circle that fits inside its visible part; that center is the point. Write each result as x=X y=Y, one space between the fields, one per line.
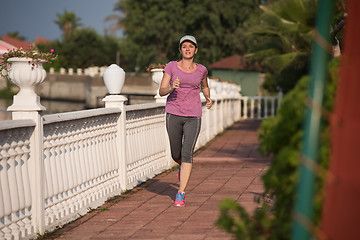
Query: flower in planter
x=155 y=65
x=30 y=52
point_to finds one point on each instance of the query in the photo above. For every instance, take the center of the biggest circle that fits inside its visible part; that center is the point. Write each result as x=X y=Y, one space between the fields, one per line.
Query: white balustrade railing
x=15 y=179
x=82 y=161
x=55 y=168
x=90 y=71
x=259 y=107
x=147 y=146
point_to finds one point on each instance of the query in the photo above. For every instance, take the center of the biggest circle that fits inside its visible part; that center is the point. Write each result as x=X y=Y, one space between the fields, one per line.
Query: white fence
x=84 y=158
x=256 y=107
x=57 y=167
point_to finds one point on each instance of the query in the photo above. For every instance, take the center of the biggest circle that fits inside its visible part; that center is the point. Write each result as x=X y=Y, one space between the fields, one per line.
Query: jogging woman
x=182 y=80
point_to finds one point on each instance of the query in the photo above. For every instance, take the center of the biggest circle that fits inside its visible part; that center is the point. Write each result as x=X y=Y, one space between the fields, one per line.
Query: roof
x=4 y=47
x=234 y=62
x=15 y=42
x=41 y=40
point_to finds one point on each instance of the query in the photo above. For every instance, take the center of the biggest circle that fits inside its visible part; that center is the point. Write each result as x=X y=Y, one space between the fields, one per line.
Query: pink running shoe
x=180 y=199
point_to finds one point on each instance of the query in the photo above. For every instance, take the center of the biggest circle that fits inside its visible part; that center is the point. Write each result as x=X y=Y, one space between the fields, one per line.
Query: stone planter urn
x=26 y=75
x=114 y=79
x=157 y=75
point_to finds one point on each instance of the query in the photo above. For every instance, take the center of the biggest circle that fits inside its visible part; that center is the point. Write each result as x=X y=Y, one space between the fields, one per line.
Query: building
x=237 y=69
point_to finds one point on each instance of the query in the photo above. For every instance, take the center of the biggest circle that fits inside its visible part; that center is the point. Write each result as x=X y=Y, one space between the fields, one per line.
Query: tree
x=84 y=48
x=153 y=28
x=281 y=39
x=220 y=26
x=16 y=35
x=67 y=22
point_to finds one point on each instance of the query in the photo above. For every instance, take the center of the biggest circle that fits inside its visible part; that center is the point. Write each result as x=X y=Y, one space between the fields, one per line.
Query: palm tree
x=283 y=39
x=67 y=22
x=117 y=18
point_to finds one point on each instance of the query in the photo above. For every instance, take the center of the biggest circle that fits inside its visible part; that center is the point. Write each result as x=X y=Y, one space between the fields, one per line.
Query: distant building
x=40 y=40
x=237 y=69
x=4 y=47
x=8 y=43
x=15 y=42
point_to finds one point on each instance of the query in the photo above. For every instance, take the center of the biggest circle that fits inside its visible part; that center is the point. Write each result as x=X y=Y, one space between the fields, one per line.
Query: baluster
x=26 y=180
x=49 y=191
x=108 y=146
x=103 y=154
x=98 y=160
x=95 y=167
x=2 y=208
x=245 y=107
x=259 y=107
x=272 y=106
x=75 y=169
x=14 y=197
x=5 y=204
x=95 y=159
x=129 y=133
x=91 y=160
x=266 y=107
x=69 y=168
x=64 y=173
x=19 y=180
x=111 y=139
x=85 y=161
x=55 y=170
x=113 y=145
x=80 y=165
x=59 y=172
x=252 y=100
x=279 y=97
x=103 y=148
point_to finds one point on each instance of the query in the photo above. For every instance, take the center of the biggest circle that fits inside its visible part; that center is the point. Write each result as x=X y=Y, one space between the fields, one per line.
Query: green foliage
x=16 y=34
x=6 y=93
x=234 y=219
x=281 y=40
x=68 y=22
x=153 y=28
x=84 y=48
x=281 y=137
x=284 y=28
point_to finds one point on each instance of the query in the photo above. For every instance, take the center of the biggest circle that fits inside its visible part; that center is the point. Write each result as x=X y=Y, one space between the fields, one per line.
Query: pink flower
x=52 y=50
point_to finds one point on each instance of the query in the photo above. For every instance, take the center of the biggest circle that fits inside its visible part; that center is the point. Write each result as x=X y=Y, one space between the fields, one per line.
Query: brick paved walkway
x=229 y=166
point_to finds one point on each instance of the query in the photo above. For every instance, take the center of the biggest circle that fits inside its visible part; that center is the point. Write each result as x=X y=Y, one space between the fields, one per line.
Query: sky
x=35 y=18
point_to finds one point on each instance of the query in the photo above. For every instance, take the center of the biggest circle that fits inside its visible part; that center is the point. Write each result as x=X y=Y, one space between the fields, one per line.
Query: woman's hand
x=176 y=83
x=208 y=103
x=166 y=87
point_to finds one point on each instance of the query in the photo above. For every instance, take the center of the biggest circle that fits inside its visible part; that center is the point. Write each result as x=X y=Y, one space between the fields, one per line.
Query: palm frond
x=282 y=61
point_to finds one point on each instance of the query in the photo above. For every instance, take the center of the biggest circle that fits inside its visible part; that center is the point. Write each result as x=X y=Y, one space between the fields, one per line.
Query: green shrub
x=281 y=137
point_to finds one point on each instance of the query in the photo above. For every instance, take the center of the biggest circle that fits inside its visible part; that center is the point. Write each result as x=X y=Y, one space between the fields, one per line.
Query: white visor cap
x=188 y=38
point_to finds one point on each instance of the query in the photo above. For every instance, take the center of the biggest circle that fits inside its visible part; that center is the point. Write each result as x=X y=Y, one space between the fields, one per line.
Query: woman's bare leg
x=185 y=175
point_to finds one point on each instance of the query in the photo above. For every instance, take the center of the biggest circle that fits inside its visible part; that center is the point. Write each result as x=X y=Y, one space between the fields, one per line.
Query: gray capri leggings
x=183 y=133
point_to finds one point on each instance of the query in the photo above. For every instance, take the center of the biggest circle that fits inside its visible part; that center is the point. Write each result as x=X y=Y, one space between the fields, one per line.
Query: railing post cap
x=114 y=98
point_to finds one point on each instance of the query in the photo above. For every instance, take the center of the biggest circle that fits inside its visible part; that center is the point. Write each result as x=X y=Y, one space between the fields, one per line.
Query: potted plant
x=157 y=72
x=25 y=69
